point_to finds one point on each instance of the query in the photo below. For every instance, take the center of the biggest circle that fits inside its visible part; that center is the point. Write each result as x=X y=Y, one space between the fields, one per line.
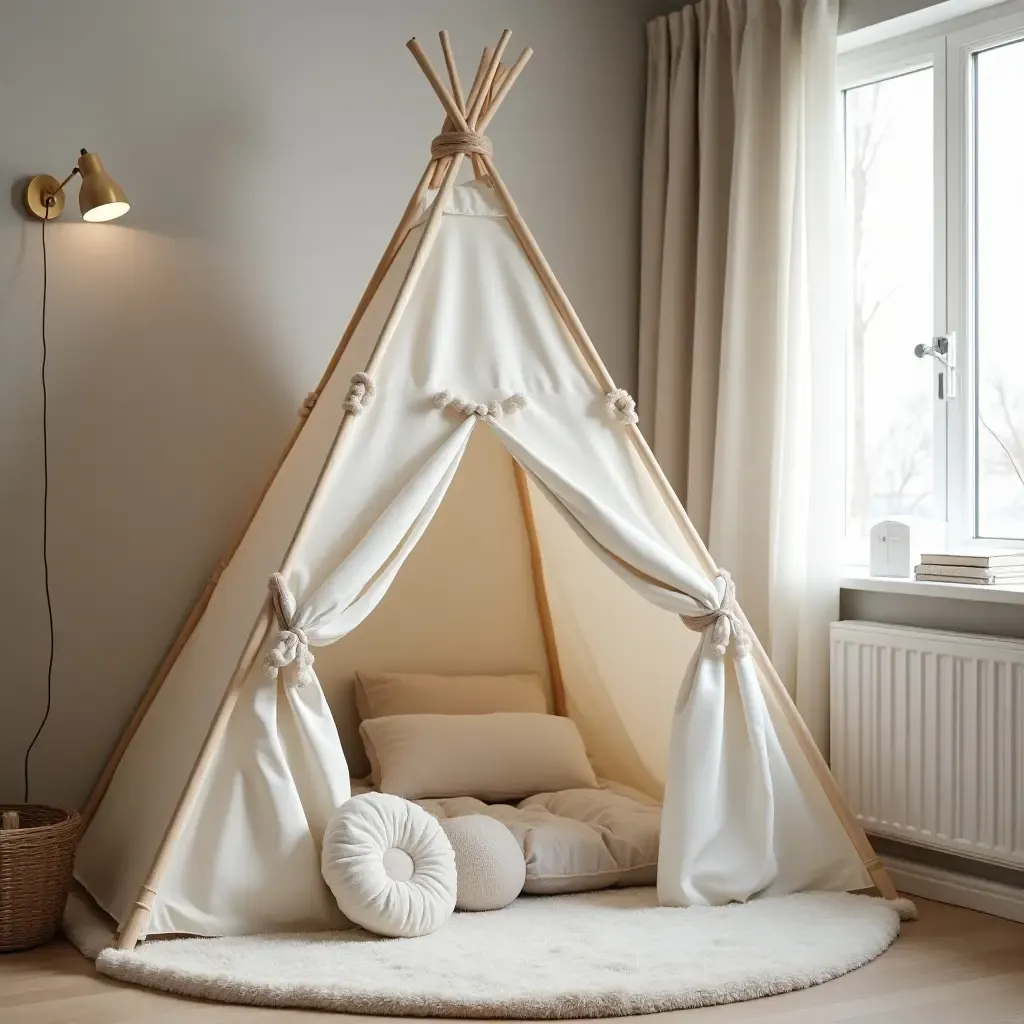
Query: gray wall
x=268 y=149
x=855 y=14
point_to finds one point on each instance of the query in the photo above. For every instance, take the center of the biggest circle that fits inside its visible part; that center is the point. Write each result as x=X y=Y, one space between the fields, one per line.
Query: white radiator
x=928 y=737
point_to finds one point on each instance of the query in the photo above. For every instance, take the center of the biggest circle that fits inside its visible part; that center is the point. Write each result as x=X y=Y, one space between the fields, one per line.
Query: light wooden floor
x=950 y=966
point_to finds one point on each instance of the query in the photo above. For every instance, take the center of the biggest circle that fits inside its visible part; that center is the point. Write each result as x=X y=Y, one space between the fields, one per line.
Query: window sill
x=857 y=578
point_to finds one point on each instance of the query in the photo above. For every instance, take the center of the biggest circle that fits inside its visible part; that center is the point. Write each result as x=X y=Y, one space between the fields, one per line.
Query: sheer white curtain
x=740 y=338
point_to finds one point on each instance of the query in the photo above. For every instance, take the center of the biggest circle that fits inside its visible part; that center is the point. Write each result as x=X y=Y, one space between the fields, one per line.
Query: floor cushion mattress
x=575 y=840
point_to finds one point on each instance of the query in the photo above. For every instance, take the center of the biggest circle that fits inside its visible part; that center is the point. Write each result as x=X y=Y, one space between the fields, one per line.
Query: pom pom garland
x=494 y=409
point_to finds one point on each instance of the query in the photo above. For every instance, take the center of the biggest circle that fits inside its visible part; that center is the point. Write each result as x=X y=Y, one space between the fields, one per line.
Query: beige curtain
x=740 y=347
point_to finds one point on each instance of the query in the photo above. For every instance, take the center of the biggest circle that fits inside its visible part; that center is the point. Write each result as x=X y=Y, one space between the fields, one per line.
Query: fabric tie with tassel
x=291 y=646
x=724 y=621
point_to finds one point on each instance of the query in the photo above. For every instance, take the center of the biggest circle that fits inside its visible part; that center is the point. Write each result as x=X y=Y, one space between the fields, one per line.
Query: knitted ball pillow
x=390 y=866
x=489 y=862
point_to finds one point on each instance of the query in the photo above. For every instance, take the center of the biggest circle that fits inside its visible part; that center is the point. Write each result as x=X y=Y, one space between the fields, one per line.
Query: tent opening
x=465 y=602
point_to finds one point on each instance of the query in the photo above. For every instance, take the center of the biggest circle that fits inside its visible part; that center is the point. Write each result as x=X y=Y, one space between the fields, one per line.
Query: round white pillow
x=389 y=865
x=488 y=859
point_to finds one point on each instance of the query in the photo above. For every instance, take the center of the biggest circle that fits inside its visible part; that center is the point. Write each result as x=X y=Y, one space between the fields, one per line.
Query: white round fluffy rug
x=593 y=955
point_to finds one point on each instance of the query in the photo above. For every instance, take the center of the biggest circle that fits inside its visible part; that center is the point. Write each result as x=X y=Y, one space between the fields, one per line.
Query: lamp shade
x=100 y=197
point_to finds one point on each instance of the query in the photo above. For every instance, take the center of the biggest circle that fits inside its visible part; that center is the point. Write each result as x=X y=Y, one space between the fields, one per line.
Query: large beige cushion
x=398 y=693
x=389 y=865
x=576 y=840
x=498 y=757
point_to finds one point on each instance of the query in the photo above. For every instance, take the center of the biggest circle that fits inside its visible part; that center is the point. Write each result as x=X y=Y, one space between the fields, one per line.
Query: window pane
x=890 y=393
x=999 y=289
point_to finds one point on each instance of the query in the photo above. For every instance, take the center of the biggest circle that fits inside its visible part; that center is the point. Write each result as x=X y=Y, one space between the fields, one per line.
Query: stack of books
x=1003 y=567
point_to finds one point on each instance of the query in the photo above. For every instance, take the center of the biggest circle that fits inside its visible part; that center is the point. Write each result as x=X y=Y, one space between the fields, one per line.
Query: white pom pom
x=620 y=403
x=364 y=381
x=907 y=909
x=442 y=398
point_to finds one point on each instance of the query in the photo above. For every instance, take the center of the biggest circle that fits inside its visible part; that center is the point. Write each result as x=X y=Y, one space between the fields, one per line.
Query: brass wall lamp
x=99 y=198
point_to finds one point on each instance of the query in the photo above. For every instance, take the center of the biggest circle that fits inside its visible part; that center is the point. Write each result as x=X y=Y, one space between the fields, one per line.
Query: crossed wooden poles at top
x=472 y=113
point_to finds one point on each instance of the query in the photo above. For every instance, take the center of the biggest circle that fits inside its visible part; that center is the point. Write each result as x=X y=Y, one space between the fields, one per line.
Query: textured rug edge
x=132 y=967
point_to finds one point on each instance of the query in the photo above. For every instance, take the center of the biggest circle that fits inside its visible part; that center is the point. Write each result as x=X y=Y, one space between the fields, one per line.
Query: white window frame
x=949 y=50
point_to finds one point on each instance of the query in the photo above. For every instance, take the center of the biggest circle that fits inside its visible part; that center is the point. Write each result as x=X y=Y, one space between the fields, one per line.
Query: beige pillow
x=489 y=864
x=497 y=758
x=403 y=693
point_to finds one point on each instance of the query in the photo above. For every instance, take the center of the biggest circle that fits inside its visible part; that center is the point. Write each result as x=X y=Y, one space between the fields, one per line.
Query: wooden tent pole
x=507 y=81
x=776 y=688
x=479 y=103
x=138 y=921
x=383 y=266
x=453 y=71
x=478 y=78
x=540 y=592
x=453 y=77
x=442 y=165
x=496 y=85
x=485 y=59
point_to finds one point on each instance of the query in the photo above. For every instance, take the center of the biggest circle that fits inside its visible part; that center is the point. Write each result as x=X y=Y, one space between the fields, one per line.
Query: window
x=891 y=456
x=934 y=161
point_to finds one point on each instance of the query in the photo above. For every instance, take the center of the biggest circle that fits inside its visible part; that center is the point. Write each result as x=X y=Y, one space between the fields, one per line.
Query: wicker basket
x=35 y=871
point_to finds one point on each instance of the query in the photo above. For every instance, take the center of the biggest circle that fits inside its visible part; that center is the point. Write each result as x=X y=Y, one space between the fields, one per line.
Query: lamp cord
x=46 y=503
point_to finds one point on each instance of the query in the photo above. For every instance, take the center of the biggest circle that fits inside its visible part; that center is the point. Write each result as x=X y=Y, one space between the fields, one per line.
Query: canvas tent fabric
x=235 y=848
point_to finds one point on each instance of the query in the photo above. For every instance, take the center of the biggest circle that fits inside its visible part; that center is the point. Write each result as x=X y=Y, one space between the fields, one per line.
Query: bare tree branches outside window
x=890 y=438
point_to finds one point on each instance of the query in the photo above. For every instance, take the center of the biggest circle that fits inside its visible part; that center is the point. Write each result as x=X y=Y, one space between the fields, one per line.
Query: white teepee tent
x=464 y=386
